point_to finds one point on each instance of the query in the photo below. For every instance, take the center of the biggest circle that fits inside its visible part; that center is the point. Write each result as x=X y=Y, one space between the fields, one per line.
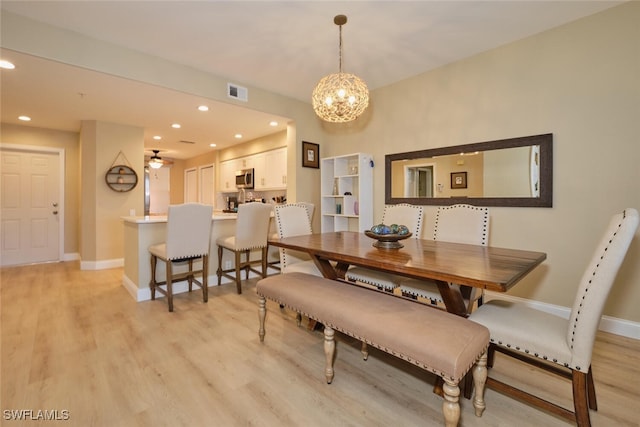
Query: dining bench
x=442 y=343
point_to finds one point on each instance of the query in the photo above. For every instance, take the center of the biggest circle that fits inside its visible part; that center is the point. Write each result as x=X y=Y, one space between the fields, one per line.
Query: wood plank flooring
x=76 y=341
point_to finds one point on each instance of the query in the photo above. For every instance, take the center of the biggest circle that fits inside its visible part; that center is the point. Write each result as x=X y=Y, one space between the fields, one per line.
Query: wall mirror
x=506 y=172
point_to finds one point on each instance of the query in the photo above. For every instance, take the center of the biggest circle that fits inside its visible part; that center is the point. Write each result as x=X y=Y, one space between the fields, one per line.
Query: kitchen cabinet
x=228 y=170
x=271 y=170
x=346 y=190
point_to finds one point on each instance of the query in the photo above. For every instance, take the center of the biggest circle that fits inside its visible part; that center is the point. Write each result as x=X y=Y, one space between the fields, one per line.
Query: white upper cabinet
x=270 y=170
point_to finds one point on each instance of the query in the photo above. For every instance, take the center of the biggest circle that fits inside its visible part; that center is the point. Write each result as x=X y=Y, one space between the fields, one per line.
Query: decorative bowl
x=387 y=241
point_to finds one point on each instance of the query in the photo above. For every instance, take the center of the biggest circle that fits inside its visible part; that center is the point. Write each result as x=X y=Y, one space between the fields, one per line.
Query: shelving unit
x=353 y=174
x=121 y=178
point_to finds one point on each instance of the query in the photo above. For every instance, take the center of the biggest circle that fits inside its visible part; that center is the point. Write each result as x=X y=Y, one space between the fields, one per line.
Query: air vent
x=237 y=92
x=186 y=142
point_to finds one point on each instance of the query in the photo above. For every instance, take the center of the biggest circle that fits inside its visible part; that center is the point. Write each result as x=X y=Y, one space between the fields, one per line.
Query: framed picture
x=458 y=180
x=310 y=155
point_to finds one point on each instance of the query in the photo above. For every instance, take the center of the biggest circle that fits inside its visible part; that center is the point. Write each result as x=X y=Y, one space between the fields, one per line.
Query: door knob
x=55 y=205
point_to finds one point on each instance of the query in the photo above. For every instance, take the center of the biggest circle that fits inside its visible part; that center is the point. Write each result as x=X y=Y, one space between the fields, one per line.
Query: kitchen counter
x=140 y=232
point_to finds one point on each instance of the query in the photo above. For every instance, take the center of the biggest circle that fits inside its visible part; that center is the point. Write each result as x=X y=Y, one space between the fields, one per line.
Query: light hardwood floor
x=76 y=341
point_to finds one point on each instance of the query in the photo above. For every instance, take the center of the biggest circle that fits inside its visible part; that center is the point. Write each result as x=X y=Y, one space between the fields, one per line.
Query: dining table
x=447 y=264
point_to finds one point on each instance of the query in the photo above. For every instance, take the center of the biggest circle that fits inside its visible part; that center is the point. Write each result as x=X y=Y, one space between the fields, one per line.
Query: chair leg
x=190 y=276
x=580 y=398
x=265 y=254
x=219 y=271
x=491 y=354
x=591 y=391
x=152 y=283
x=238 y=278
x=205 y=275
x=169 y=285
x=247 y=267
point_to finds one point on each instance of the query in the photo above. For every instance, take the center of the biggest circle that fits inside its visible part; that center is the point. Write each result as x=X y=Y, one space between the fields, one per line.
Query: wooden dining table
x=486 y=267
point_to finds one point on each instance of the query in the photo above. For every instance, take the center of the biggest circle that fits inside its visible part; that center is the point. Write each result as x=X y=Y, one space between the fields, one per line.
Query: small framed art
x=310 y=155
x=458 y=180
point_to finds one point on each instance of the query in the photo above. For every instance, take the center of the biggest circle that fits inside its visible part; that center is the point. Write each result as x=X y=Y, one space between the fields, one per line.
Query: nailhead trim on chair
x=282 y=251
x=420 y=219
x=575 y=320
x=484 y=228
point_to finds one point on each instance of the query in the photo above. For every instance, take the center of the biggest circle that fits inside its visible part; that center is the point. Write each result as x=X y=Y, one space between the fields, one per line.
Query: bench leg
x=451 y=404
x=262 y=314
x=364 y=350
x=479 y=381
x=329 y=352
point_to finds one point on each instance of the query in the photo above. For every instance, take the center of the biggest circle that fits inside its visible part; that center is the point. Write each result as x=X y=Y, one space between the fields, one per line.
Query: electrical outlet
x=227 y=265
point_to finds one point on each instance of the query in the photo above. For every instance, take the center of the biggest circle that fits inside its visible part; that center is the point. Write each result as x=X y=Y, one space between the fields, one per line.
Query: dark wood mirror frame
x=545 y=141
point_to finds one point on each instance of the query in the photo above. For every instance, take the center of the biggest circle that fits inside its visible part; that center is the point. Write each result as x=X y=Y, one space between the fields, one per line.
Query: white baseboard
x=144 y=294
x=102 y=265
x=609 y=324
x=73 y=256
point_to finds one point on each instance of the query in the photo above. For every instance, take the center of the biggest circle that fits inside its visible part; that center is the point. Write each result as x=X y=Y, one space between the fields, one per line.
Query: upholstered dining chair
x=310 y=207
x=188 y=237
x=293 y=219
x=401 y=214
x=459 y=223
x=561 y=346
x=251 y=232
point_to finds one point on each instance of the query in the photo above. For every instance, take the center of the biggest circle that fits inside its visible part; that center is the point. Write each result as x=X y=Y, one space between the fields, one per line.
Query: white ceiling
x=281 y=47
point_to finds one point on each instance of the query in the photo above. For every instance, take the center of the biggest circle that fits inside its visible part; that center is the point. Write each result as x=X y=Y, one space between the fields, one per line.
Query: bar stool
x=252 y=228
x=188 y=236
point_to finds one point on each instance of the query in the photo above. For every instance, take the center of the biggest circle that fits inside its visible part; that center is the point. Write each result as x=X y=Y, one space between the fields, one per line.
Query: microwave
x=244 y=178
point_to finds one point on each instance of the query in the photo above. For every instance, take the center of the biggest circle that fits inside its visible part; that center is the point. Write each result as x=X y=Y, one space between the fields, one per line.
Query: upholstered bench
x=437 y=341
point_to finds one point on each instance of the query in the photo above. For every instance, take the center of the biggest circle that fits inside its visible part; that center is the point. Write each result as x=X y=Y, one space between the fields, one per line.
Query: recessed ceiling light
x=238 y=135
x=6 y=64
x=212 y=145
x=203 y=108
x=157 y=137
x=273 y=123
x=24 y=118
x=176 y=126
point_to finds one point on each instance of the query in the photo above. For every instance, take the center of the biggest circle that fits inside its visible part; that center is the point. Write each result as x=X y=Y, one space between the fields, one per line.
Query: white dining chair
x=293 y=219
x=274 y=253
x=251 y=232
x=411 y=216
x=557 y=344
x=461 y=223
x=188 y=239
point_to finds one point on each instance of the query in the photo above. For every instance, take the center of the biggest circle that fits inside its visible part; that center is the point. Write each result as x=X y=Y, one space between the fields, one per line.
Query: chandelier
x=340 y=97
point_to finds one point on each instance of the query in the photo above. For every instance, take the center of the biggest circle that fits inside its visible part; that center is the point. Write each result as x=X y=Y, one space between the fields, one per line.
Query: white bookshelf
x=353 y=174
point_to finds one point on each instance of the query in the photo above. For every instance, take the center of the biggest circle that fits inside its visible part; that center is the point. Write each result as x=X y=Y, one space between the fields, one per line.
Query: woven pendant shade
x=340 y=97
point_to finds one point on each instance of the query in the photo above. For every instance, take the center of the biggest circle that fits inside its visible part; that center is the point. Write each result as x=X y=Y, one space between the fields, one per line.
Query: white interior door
x=206 y=184
x=191 y=186
x=31 y=206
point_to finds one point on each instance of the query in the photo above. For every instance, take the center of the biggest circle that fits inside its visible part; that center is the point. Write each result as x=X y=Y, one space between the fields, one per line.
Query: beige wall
x=580 y=82
x=23 y=135
x=104 y=145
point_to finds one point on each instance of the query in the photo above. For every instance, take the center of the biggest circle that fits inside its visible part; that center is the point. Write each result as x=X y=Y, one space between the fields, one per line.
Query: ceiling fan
x=156 y=162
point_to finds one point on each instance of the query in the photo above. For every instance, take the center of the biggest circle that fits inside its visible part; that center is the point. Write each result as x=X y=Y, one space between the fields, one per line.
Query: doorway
x=419 y=181
x=31 y=204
